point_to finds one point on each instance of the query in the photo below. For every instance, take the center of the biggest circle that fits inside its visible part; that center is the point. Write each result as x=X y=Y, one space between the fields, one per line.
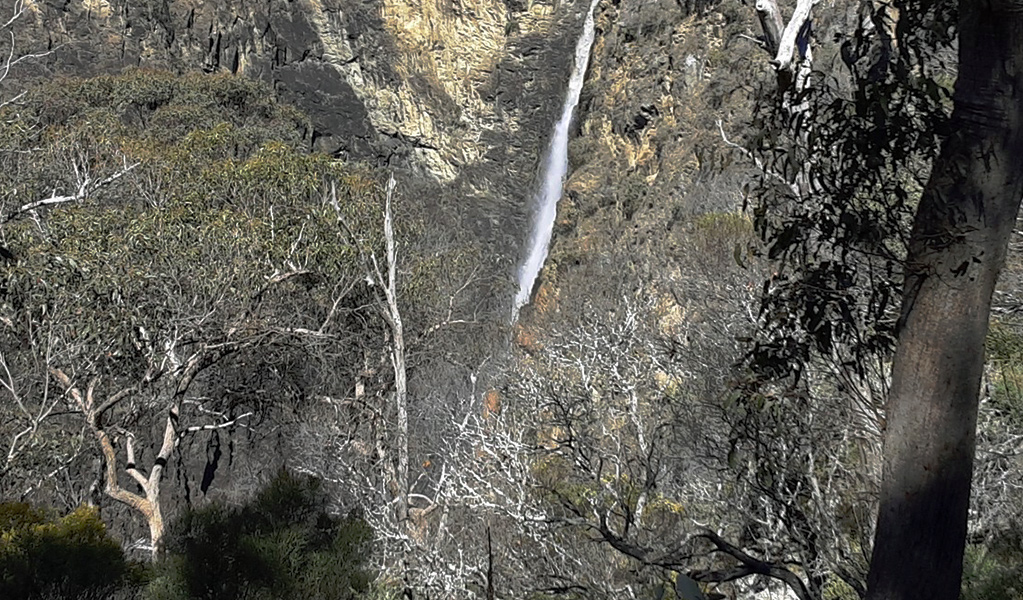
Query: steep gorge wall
x=458 y=97
x=412 y=84
x=648 y=160
x=464 y=93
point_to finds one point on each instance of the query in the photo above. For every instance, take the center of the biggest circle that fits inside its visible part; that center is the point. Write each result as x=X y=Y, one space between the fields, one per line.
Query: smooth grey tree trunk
x=957 y=248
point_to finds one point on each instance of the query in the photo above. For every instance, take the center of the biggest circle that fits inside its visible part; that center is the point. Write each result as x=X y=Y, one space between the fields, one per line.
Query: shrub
x=43 y=556
x=282 y=544
x=993 y=571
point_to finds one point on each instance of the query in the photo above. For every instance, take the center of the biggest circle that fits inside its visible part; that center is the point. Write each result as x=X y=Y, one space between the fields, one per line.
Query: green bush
x=282 y=544
x=994 y=571
x=69 y=557
x=224 y=195
x=1004 y=349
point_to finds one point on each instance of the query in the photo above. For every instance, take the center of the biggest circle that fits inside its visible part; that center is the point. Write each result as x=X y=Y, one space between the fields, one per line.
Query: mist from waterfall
x=555 y=166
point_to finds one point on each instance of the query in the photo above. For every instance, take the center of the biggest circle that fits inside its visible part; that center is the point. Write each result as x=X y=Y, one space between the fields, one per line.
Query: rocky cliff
x=462 y=93
x=651 y=177
x=441 y=88
x=459 y=97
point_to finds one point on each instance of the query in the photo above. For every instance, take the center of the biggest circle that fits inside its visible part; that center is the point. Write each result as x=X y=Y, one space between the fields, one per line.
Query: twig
x=756 y=161
x=231 y=423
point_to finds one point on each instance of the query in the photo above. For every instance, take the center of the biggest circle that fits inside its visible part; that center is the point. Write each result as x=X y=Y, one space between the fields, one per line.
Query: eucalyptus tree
x=855 y=168
x=28 y=409
x=395 y=440
x=842 y=136
x=10 y=56
x=956 y=250
x=176 y=304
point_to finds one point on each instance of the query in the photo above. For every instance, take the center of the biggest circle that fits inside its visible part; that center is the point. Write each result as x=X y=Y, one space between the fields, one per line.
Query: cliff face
x=415 y=84
x=464 y=93
x=460 y=96
x=649 y=170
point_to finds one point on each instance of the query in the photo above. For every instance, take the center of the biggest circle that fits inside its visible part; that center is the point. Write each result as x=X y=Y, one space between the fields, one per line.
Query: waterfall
x=555 y=166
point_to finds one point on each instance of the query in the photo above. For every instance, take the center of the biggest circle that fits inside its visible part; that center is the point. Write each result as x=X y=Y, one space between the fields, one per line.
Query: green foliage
x=721 y=239
x=93 y=124
x=43 y=556
x=282 y=544
x=846 y=171
x=845 y=159
x=385 y=588
x=20 y=515
x=1004 y=348
x=726 y=225
x=993 y=572
x=1004 y=342
x=223 y=198
x=836 y=589
x=161 y=105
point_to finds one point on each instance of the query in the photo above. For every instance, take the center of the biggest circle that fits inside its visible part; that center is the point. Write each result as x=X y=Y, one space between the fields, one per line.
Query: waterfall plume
x=553 y=171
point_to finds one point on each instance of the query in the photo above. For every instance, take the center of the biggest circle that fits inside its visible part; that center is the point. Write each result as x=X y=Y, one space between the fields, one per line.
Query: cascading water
x=555 y=166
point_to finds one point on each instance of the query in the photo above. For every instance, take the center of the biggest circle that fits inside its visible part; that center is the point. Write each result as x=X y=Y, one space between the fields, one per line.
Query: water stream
x=555 y=166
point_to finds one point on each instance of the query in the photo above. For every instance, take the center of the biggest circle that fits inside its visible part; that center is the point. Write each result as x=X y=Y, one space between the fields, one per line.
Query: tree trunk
x=957 y=248
x=772 y=24
x=155 y=519
x=392 y=315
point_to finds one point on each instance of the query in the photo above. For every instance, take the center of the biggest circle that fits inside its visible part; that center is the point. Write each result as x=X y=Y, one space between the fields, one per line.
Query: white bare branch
x=772 y=173
x=9 y=61
x=787 y=44
x=212 y=426
x=86 y=187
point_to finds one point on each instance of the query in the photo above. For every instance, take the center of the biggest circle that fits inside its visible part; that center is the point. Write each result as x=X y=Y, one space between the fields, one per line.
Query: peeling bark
x=147 y=504
x=771 y=22
x=393 y=317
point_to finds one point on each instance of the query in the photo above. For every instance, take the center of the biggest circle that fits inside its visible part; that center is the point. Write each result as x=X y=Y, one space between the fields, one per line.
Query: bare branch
x=449 y=320
x=86 y=187
x=771 y=22
x=113 y=400
x=19 y=9
x=754 y=566
x=787 y=45
x=211 y=427
x=113 y=488
x=131 y=467
x=758 y=163
x=279 y=278
x=369 y=262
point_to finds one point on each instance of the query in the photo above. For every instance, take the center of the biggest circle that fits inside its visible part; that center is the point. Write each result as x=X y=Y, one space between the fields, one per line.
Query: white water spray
x=555 y=166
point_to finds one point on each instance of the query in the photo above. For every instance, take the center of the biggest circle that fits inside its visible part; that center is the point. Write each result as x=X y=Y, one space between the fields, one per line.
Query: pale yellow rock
x=328 y=24
x=671 y=317
x=452 y=46
x=99 y=8
x=584 y=182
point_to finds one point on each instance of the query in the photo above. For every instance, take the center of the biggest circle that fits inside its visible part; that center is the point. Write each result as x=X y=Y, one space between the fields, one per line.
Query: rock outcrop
x=420 y=85
x=648 y=158
x=462 y=92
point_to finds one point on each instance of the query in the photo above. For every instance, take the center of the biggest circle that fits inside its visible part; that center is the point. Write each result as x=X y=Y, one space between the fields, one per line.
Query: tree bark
x=397 y=356
x=784 y=40
x=772 y=24
x=957 y=248
x=147 y=503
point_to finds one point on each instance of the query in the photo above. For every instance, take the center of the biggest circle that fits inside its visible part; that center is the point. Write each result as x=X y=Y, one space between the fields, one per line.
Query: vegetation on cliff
x=192 y=295
x=283 y=543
